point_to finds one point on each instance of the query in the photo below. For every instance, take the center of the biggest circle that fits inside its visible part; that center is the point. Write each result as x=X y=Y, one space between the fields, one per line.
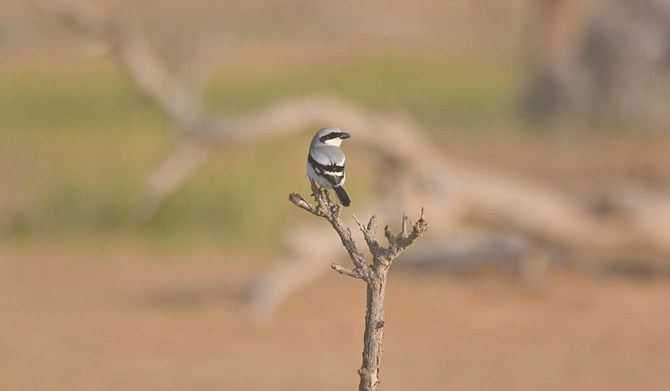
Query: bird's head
x=330 y=136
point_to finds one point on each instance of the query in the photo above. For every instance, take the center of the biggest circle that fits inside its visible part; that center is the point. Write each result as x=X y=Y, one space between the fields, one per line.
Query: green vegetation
x=76 y=144
x=440 y=94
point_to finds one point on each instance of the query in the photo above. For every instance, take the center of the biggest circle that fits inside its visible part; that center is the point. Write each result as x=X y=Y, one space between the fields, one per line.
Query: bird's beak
x=345 y=135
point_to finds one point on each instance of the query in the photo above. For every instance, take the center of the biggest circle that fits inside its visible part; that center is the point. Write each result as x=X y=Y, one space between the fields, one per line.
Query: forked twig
x=374 y=274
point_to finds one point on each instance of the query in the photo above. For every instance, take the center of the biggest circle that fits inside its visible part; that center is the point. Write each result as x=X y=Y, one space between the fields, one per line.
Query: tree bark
x=374 y=331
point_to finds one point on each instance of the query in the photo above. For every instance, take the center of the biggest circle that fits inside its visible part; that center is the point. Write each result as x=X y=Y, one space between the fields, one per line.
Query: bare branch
x=125 y=35
x=403 y=229
x=343 y=270
x=374 y=275
x=372 y=224
x=300 y=202
x=369 y=233
x=389 y=235
x=333 y=213
x=360 y=225
x=404 y=240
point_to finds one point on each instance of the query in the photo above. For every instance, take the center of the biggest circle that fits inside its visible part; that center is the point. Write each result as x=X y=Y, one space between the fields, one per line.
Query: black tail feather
x=342 y=195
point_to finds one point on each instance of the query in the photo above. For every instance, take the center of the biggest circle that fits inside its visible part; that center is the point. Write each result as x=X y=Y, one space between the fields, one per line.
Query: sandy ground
x=123 y=318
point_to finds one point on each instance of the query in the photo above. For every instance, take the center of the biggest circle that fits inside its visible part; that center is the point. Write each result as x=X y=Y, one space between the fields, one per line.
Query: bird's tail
x=342 y=195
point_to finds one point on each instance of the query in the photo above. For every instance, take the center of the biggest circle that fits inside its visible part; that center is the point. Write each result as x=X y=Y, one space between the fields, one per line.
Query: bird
x=325 y=161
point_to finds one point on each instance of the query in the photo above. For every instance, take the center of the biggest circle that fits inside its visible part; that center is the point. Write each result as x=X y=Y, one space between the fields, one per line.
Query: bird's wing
x=328 y=158
x=328 y=161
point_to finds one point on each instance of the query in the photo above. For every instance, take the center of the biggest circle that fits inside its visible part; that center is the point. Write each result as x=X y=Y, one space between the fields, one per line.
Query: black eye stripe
x=330 y=136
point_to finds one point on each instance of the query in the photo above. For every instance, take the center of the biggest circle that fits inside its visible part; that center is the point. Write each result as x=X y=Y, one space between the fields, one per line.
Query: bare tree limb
x=374 y=274
x=450 y=189
x=148 y=72
x=343 y=270
x=332 y=213
x=421 y=170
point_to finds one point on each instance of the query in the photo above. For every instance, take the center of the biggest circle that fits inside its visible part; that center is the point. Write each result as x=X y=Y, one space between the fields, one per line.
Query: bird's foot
x=327 y=195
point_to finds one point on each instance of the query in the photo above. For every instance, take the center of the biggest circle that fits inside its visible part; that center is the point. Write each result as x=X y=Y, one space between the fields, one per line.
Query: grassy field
x=76 y=143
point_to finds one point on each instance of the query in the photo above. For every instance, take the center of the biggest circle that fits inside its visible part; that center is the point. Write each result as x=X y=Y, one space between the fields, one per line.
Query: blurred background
x=147 y=150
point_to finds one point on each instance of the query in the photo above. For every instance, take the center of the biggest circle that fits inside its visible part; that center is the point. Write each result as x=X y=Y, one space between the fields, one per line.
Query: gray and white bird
x=325 y=161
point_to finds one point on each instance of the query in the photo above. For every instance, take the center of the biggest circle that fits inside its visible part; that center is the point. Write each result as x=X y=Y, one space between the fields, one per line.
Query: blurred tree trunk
x=606 y=62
